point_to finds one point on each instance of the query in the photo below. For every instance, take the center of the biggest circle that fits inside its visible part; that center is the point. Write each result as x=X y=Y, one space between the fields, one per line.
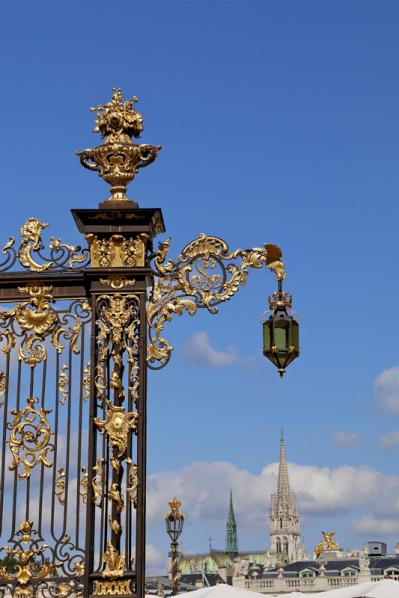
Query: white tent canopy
x=386 y=588
x=221 y=590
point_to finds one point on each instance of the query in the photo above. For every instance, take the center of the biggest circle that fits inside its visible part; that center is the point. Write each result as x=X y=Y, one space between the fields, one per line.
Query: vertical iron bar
x=91 y=456
x=141 y=452
x=3 y=441
x=41 y=483
x=80 y=431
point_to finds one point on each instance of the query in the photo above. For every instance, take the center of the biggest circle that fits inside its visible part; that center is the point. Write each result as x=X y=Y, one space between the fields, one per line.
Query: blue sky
x=279 y=123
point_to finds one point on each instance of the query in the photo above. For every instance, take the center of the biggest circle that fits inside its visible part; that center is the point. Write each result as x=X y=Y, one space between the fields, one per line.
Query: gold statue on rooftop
x=326 y=544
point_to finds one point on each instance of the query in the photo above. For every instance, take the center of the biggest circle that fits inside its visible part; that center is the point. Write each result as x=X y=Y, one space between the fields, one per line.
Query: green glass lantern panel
x=295 y=335
x=267 y=343
x=281 y=335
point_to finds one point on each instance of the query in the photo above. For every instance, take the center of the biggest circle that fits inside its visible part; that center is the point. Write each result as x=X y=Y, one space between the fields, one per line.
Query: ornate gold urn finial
x=118 y=159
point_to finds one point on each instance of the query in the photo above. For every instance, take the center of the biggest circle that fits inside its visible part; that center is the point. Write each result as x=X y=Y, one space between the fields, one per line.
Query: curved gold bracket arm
x=205 y=274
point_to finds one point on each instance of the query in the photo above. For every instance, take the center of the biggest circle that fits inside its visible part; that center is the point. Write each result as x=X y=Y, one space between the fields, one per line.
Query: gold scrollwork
x=117 y=282
x=86 y=382
x=8 y=336
x=30 y=438
x=32 y=242
x=132 y=481
x=59 y=489
x=117 y=425
x=97 y=482
x=3 y=387
x=37 y=320
x=62 y=256
x=115 y=562
x=25 y=566
x=205 y=275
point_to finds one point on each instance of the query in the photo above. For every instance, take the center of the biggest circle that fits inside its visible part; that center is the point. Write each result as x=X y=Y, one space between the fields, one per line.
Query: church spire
x=231 y=530
x=283 y=484
x=285 y=535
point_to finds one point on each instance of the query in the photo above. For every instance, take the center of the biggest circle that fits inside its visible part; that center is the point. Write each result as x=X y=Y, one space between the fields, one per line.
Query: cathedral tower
x=231 y=531
x=285 y=535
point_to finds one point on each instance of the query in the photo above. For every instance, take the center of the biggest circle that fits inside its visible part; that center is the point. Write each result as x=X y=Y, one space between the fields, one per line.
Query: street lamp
x=174 y=526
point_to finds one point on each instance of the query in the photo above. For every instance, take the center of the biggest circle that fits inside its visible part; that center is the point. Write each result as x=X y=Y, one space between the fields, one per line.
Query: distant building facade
x=331 y=571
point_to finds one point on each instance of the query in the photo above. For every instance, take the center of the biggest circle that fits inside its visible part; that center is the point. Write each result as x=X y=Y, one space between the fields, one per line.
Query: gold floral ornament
x=30 y=438
x=205 y=275
x=62 y=256
x=27 y=563
x=118 y=159
x=117 y=425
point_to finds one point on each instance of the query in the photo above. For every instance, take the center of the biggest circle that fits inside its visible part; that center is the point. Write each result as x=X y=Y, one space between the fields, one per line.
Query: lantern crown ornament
x=118 y=159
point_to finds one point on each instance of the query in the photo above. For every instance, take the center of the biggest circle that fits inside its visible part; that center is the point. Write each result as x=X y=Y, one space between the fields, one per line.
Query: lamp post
x=174 y=526
x=79 y=330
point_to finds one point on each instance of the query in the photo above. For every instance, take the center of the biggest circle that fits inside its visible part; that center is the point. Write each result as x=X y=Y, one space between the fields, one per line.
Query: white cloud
x=156 y=562
x=348 y=439
x=389 y=440
x=203 y=488
x=370 y=525
x=386 y=387
x=199 y=350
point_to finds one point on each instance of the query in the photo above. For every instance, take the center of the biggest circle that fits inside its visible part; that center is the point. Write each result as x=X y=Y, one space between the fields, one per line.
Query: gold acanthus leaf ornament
x=205 y=275
x=115 y=562
x=30 y=436
x=115 y=495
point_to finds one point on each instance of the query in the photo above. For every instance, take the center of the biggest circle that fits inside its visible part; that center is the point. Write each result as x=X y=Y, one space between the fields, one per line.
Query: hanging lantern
x=281 y=332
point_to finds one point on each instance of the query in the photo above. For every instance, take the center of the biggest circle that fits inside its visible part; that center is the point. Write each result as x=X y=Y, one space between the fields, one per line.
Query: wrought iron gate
x=73 y=374
x=72 y=390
